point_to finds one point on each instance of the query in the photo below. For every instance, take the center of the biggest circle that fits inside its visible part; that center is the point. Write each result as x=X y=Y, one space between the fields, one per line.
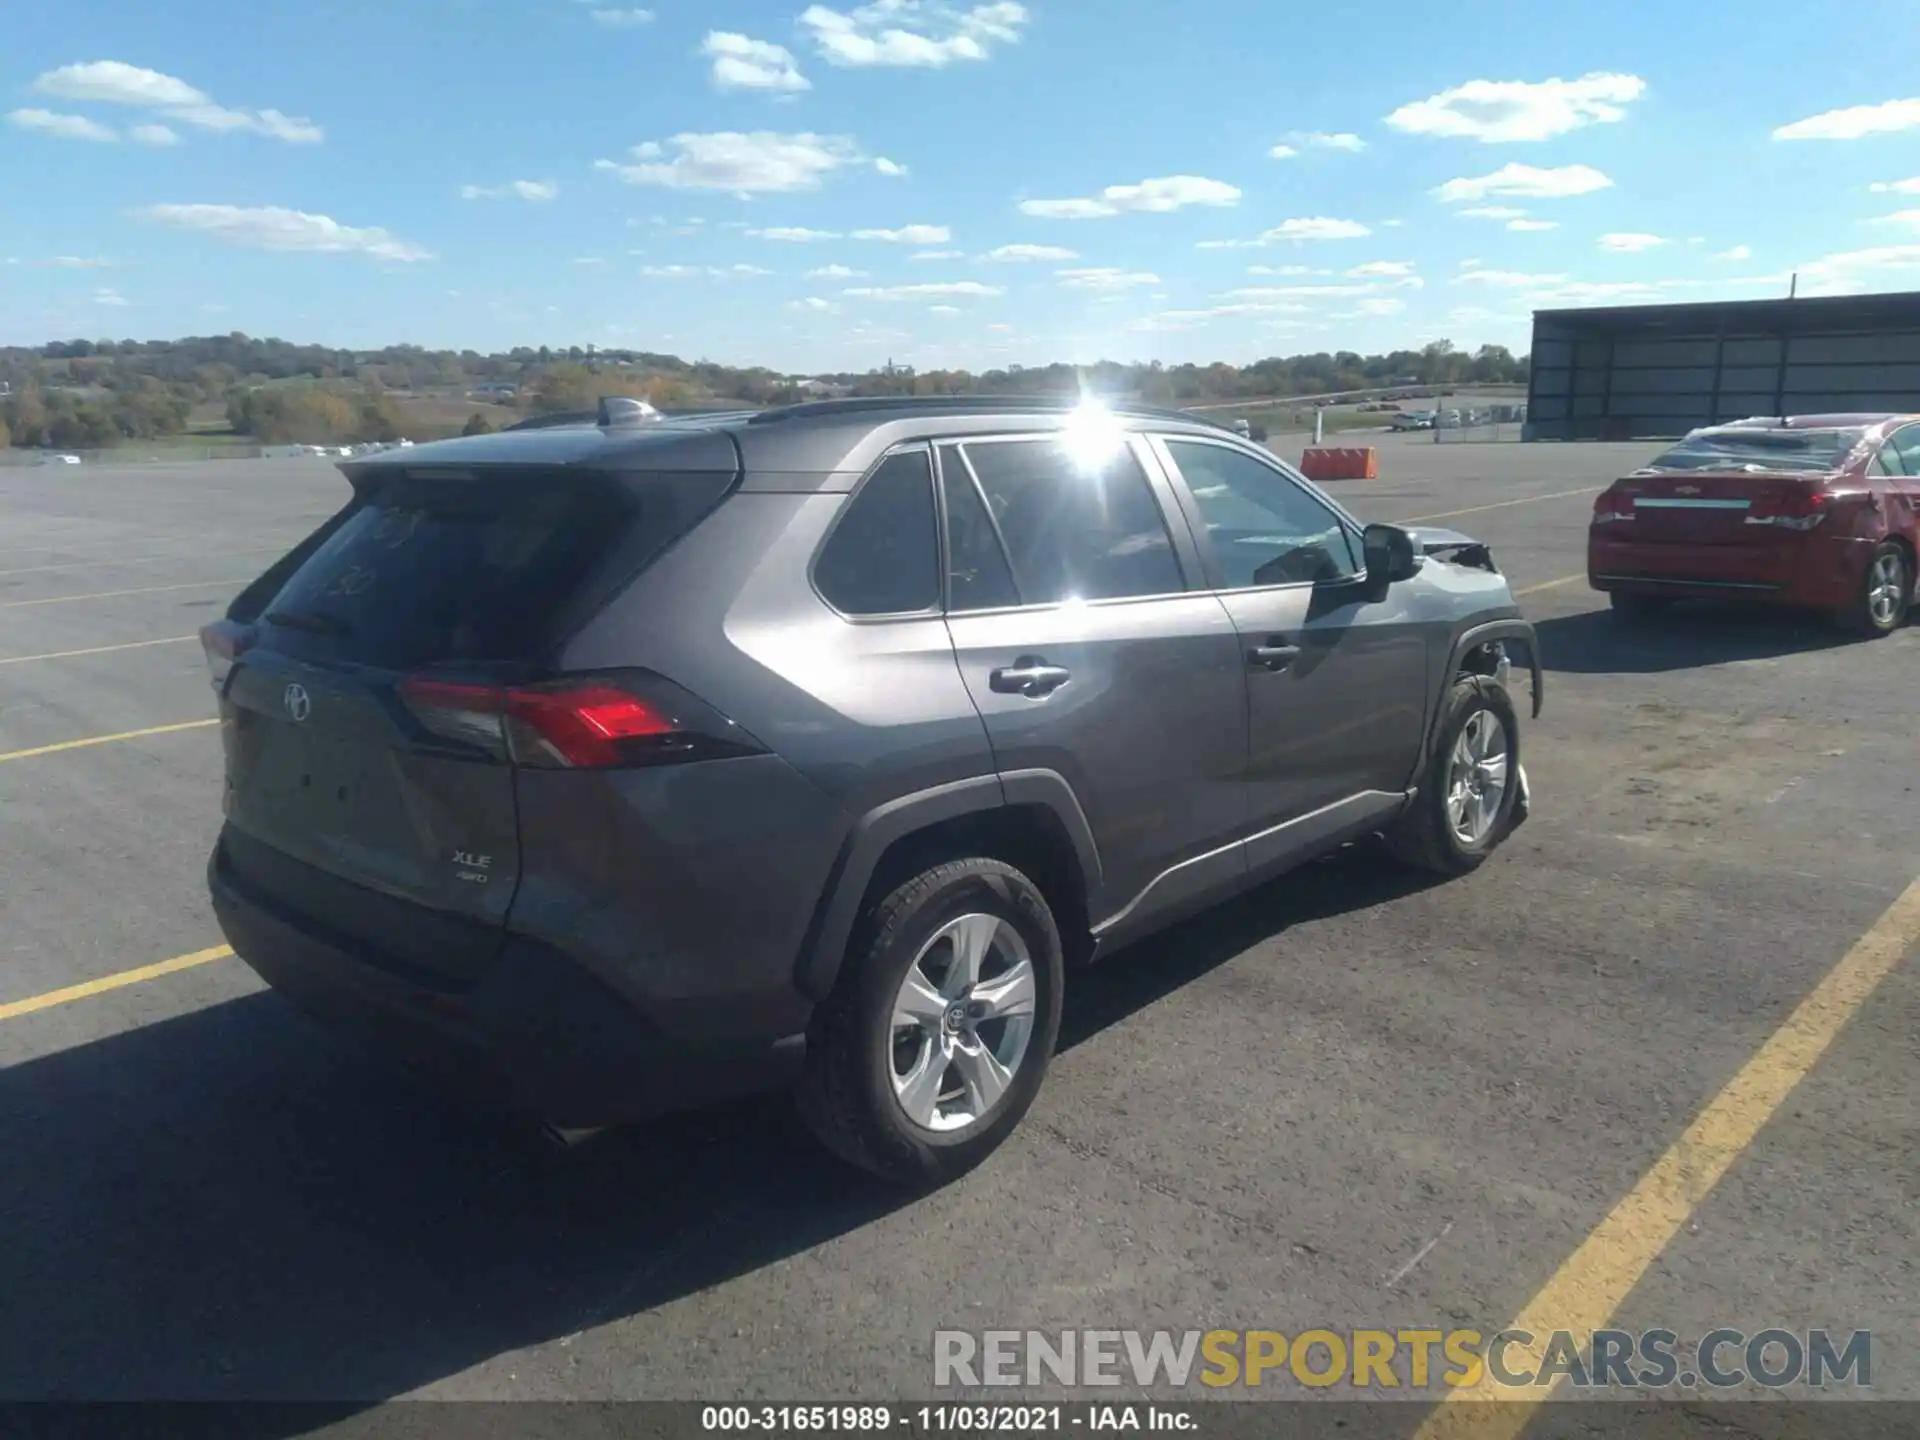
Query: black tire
x=1637 y=609
x=1424 y=836
x=847 y=1095
x=1858 y=617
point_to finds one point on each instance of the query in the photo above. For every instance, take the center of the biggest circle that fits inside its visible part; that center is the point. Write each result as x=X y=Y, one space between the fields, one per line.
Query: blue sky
x=829 y=186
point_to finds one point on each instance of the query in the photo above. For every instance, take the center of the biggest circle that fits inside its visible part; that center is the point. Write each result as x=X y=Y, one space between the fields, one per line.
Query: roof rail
x=962 y=404
x=546 y=422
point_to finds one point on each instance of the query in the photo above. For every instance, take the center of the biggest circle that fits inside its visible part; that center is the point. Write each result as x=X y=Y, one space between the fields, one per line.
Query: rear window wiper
x=311 y=623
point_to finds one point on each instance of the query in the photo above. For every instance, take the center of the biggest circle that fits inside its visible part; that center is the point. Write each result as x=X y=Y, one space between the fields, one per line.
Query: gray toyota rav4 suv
x=615 y=765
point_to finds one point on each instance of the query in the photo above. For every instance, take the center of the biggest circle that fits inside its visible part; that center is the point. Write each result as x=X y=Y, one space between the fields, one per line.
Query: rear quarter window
x=465 y=569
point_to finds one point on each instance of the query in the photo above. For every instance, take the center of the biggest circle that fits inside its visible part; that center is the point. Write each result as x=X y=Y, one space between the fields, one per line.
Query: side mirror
x=1390 y=555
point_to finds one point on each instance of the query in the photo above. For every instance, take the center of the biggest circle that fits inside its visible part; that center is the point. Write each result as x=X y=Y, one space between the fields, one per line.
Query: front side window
x=884 y=555
x=1079 y=524
x=1264 y=528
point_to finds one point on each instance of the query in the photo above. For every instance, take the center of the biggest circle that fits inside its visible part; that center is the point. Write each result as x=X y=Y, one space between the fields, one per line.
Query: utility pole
x=1793 y=285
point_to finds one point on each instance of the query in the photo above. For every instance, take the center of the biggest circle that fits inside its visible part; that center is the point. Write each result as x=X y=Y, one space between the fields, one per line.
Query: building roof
x=1892 y=310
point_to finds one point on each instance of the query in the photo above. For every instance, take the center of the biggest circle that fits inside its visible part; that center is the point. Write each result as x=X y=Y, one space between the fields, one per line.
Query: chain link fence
x=1481 y=425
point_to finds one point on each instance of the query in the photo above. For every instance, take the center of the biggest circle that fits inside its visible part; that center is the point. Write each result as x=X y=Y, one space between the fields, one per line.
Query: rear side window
x=978 y=576
x=1076 y=527
x=884 y=556
x=428 y=570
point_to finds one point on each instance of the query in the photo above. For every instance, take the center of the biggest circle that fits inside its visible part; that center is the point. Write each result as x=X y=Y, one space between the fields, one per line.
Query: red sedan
x=1821 y=511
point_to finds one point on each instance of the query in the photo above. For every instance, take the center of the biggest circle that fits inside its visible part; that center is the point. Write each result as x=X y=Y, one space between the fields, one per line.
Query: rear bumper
x=538 y=1035
x=1819 y=571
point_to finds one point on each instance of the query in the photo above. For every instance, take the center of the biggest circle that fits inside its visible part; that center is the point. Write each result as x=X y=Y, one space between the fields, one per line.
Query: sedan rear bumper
x=538 y=1035
x=1818 y=571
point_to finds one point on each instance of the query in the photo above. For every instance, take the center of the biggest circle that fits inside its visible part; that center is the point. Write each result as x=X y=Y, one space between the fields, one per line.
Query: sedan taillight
x=1612 y=507
x=1790 y=510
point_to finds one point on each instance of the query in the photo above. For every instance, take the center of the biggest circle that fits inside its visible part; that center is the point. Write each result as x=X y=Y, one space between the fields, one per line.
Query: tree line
x=78 y=394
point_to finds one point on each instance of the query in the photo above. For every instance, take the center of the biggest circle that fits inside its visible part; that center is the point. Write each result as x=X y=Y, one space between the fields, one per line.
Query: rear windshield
x=1785 y=451
x=448 y=570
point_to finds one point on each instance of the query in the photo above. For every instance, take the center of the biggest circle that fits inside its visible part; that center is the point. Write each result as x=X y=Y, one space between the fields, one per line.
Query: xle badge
x=470 y=867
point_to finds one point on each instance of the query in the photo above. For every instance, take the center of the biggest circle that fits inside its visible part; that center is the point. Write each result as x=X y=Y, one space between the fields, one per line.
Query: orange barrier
x=1322 y=462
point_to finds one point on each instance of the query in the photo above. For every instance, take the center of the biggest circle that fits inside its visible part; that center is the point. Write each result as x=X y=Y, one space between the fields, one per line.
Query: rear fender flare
x=877 y=831
x=1510 y=628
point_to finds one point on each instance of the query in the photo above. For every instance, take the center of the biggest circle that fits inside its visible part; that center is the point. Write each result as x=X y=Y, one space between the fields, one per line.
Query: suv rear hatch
x=378 y=687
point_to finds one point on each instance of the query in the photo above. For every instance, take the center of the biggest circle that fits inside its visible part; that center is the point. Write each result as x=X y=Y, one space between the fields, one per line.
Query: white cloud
x=62 y=127
x=888 y=167
x=1320 y=140
x=1855 y=122
x=1493 y=212
x=1896 y=187
x=1297 y=292
x=1502 y=111
x=1169 y=192
x=77 y=262
x=1533 y=224
x=1028 y=253
x=747 y=270
x=908 y=235
x=1630 y=242
x=111 y=298
x=924 y=34
x=743 y=63
x=1851 y=271
x=1526 y=180
x=1282 y=152
x=615 y=19
x=1318 y=227
x=945 y=310
x=1738 y=252
x=676 y=272
x=922 y=292
x=590 y=260
x=793 y=234
x=112 y=82
x=1509 y=279
x=537 y=190
x=1383 y=305
x=835 y=272
x=1286 y=270
x=1106 y=277
x=938 y=255
x=743 y=163
x=270 y=227
x=1391 y=269
x=815 y=304
x=155 y=136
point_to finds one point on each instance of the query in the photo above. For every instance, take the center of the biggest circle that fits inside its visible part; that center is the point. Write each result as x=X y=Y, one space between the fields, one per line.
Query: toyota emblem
x=299 y=704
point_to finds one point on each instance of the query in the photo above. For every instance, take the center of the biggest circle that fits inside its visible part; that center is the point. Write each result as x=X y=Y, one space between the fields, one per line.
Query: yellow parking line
x=1550 y=584
x=1501 y=505
x=94 y=650
x=1589 y=1288
x=109 y=594
x=103 y=740
x=17 y=1008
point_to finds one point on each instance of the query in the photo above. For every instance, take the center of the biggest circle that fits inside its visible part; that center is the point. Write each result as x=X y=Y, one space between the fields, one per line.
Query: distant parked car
x=59 y=459
x=1821 y=511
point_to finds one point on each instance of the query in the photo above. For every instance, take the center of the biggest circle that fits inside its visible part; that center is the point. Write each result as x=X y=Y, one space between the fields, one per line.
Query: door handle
x=1276 y=656
x=1029 y=676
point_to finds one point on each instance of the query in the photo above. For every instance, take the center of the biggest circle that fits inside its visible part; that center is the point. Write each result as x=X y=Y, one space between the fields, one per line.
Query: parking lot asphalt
x=1350 y=1100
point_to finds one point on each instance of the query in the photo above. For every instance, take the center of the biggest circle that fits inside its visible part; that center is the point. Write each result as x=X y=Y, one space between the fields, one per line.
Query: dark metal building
x=1634 y=372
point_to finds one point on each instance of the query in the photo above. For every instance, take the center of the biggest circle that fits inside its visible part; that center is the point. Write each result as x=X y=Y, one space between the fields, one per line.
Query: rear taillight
x=1612 y=507
x=1790 y=509
x=589 y=723
x=224 y=642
